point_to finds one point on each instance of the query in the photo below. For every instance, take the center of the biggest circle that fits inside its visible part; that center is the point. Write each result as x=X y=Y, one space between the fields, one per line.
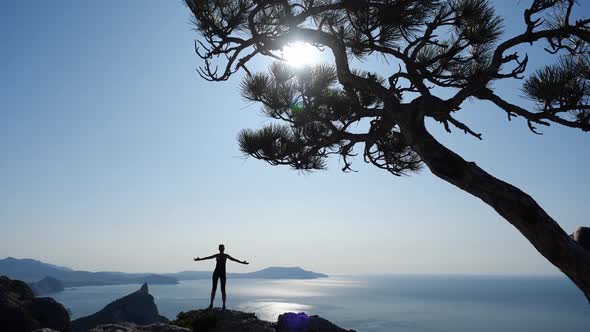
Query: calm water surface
x=377 y=304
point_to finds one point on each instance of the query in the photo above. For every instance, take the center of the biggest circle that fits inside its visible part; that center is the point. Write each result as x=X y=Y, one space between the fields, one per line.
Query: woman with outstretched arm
x=219 y=272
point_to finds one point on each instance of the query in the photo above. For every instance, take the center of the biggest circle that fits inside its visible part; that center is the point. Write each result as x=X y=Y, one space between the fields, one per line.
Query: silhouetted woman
x=219 y=272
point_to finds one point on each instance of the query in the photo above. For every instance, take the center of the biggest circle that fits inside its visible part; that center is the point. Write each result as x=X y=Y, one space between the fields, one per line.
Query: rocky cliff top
x=236 y=321
x=130 y=327
x=229 y=321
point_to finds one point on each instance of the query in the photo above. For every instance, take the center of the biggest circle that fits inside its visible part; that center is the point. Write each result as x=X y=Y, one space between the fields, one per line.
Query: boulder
x=138 y=307
x=50 y=313
x=20 y=310
x=301 y=322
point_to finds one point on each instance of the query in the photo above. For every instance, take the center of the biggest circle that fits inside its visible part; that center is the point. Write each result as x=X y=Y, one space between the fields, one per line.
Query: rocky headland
x=138 y=307
x=46 y=285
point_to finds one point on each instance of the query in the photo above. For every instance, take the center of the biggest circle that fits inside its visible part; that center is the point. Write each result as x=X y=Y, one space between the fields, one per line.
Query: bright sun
x=299 y=54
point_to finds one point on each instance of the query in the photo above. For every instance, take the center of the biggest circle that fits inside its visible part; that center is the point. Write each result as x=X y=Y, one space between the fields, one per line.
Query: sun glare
x=299 y=54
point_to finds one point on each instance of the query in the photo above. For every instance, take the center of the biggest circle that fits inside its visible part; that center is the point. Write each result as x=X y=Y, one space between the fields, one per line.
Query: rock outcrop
x=236 y=321
x=20 y=310
x=292 y=322
x=130 y=327
x=46 y=285
x=582 y=236
x=217 y=320
x=138 y=307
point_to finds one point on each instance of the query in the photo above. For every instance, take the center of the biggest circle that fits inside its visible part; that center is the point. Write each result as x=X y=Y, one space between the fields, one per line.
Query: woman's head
x=221 y=248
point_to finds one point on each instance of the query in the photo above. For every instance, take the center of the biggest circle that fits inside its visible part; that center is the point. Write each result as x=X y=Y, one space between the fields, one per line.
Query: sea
x=392 y=303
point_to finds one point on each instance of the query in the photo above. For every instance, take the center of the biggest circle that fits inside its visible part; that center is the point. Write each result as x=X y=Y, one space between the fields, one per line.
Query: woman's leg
x=222 y=277
x=213 y=289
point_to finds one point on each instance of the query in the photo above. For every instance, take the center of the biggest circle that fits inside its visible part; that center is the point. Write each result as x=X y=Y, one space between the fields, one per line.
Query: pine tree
x=458 y=45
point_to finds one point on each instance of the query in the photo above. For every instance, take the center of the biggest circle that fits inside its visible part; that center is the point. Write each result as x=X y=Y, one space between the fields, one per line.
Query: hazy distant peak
x=277 y=272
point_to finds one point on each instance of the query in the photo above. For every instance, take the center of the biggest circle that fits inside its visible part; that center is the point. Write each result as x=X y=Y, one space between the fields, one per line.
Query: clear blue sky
x=115 y=155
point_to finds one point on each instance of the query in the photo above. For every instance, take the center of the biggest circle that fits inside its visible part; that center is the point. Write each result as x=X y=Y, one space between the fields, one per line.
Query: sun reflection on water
x=270 y=310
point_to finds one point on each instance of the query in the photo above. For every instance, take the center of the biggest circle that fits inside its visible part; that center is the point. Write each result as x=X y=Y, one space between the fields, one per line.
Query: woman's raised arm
x=204 y=258
x=235 y=260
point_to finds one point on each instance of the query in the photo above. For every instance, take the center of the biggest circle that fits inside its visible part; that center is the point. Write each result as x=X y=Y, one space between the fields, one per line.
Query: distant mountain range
x=32 y=271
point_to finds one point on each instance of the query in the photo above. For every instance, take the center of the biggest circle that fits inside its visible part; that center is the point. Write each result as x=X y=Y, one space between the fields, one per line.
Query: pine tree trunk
x=518 y=208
